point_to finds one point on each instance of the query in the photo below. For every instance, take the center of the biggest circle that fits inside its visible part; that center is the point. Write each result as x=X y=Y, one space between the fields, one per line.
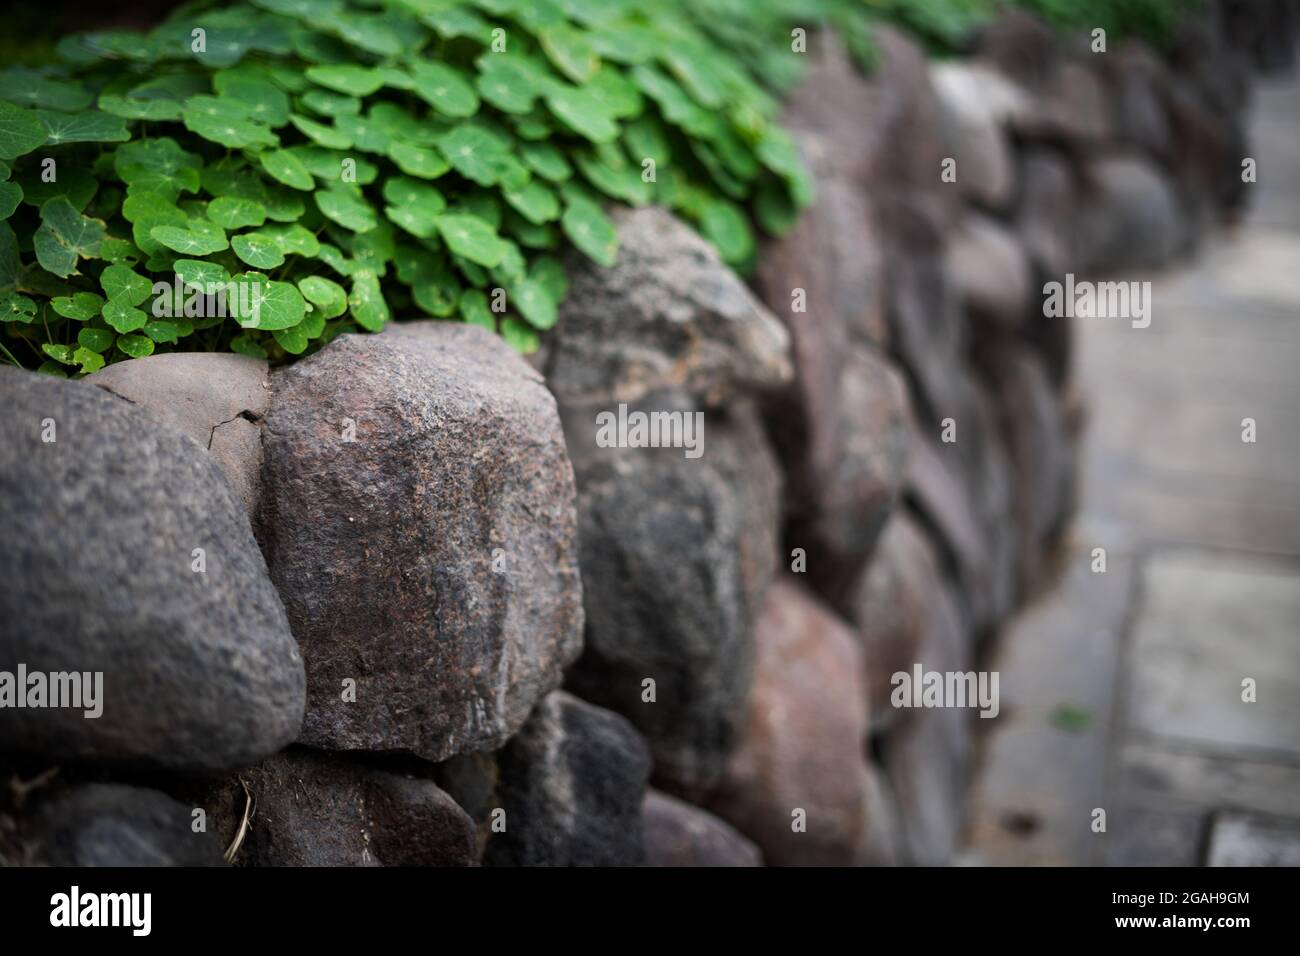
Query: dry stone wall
x=416 y=601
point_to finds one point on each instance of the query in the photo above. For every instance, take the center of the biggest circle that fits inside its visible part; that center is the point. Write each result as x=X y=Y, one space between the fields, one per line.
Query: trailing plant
x=265 y=175
x=325 y=164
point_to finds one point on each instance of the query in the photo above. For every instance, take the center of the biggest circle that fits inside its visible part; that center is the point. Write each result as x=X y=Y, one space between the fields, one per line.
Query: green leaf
x=590 y=230
x=444 y=88
x=65 y=236
x=287 y=168
x=571 y=53
x=136 y=346
x=259 y=252
x=474 y=309
x=367 y=301
x=292 y=239
x=472 y=238
x=158 y=165
x=11 y=194
x=253 y=87
x=16 y=308
x=123 y=284
x=535 y=203
x=201 y=275
x=276 y=305
x=97 y=340
x=582 y=113
x=195 y=238
x=326 y=136
x=124 y=317
x=413 y=205
x=88 y=359
x=90 y=126
x=31 y=88
x=724 y=225
x=326 y=295
x=231 y=212
x=475 y=153
x=60 y=353
x=532 y=300
x=546 y=160
x=330 y=104
x=348 y=210
x=347 y=78
x=225 y=121
x=20 y=131
x=162 y=331
x=81 y=306
x=417 y=161
x=520 y=336
x=294 y=340
x=245 y=345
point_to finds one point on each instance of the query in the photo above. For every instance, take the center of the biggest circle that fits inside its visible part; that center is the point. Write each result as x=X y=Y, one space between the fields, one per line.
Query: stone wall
x=402 y=603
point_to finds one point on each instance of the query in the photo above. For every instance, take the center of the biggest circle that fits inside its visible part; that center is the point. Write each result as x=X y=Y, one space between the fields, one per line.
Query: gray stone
x=1188 y=675
x=316 y=809
x=103 y=824
x=1129 y=216
x=928 y=755
x=990 y=270
x=102 y=526
x=676 y=556
x=977 y=103
x=1139 y=85
x=1047 y=210
x=679 y=834
x=217 y=399
x=888 y=604
x=432 y=559
x=669 y=314
x=573 y=782
x=804 y=739
x=1247 y=839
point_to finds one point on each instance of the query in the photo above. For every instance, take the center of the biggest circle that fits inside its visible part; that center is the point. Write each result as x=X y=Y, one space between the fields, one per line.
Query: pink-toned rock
x=797 y=784
x=679 y=834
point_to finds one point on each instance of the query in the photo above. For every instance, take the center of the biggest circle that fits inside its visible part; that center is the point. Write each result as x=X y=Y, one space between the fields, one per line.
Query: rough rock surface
x=976 y=105
x=1129 y=218
x=888 y=605
x=103 y=824
x=99 y=559
x=431 y=560
x=313 y=809
x=991 y=272
x=928 y=755
x=679 y=834
x=1048 y=198
x=802 y=747
x=217 y=399
x=573 y=781
x=676 y=556
x=668 y=315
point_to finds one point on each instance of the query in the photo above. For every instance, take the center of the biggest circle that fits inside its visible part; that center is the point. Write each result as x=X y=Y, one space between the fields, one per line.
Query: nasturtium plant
x=314 y=167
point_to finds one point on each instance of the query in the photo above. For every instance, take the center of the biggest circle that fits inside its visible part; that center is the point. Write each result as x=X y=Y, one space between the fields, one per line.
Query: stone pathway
x=1123 y=690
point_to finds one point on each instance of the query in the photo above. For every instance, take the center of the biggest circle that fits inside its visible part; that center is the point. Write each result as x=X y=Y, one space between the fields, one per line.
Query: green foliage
x=319 y=166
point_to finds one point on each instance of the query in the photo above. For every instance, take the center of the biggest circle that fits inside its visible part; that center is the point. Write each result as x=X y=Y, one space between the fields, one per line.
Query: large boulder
x=976 y=105
x=1047 y=210
x=679 y=834
x=928 y=754
x=106 y=824
x=668 y=315
x=991 y=272
x=572 y=785
x=313 y=809
x=126 y=554
x=418 y=520
x=1139 y=85
x=797 y=784
x=218 y=399
x=889 y=606
x=676 y=555
x=1129 y=217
